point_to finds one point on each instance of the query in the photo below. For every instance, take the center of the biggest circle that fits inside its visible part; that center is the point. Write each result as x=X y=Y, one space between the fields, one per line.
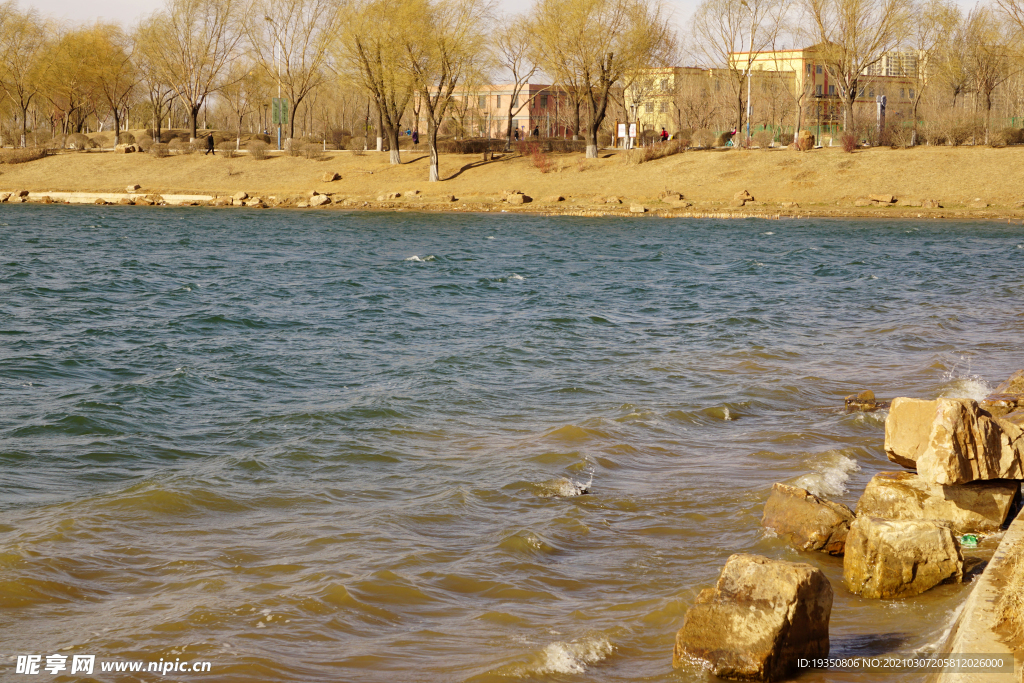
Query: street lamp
x=277 y=68
x=750 y=65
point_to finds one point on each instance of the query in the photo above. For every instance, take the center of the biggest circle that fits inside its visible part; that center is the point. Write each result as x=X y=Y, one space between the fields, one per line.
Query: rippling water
x=377 y=447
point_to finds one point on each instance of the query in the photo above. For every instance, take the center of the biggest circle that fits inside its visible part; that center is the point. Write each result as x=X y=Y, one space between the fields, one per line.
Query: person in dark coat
x=415 y=137
x=209 y=145
x=536 y=132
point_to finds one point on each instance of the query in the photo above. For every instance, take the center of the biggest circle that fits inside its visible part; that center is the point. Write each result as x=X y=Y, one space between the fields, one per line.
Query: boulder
x=637 y=208
x=21 y=193
x=899 y=558
x=4 y=196
x=670 y=197
x=681 y=204
x=612 y=200
x=330 y=177
x=968 y=508
x=931 y=204
x=133 y=188
x=125 y=149
x=865 y=401
x=863 y=202
x=124 y=201
x=1007 y=398
x=319 y=200
x=411 y=193
x=100 y=201
x=744 y=195
x=978 y=203
x=554 y=198
x=240 y=196
x=789 y=205
x=761 y=617
x=516 y=198
x=882 y=198
x=45 y=199
x=809 y=522
x=144 y=201
x=953 y=441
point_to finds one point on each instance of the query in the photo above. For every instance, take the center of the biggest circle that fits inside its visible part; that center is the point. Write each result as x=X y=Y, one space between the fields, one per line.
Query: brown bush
x=126 y=138
x=723 y=139
x=764 y=138
x=144 y=143
x=227 y=148
x=179 y=146
x=79 y=141
x=806 y=141
x=23 y=155
x=659 y=150
x=258 y=150
x=313 y=151
x=849 y=142
x=703 y=138
x=160 y=150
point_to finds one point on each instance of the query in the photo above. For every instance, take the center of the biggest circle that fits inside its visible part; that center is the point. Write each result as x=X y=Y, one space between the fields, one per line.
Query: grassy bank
x=821 y=182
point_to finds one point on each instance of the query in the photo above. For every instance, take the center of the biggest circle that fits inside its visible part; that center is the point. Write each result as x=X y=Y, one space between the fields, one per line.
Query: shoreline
x=1012 y=217
x=918 y=183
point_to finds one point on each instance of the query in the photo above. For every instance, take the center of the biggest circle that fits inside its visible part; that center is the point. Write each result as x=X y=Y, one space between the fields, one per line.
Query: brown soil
x=822 y=182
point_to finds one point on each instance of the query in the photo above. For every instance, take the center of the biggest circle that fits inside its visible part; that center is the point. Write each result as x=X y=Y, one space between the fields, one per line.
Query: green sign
x=280 y=110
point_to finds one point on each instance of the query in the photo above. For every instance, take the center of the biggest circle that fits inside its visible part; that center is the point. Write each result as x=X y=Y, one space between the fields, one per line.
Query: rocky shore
x=881 y=183
x=964 y=462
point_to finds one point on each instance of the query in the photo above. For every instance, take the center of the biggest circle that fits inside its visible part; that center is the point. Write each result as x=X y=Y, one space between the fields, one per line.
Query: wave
x=574 y=657
x=416 y=258
x=832 y=470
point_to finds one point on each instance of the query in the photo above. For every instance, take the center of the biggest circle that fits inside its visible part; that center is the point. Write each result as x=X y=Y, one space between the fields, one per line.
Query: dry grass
x=1011 y=602
x=819 y=178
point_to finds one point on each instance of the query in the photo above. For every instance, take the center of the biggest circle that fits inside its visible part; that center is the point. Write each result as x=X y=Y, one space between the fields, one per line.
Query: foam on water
x=516 y=276
x=574 y=657
x=962 y=383
x=832 y=471
x=416 y=258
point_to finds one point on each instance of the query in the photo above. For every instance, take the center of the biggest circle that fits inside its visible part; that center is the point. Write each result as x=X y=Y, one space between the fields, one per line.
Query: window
x=860 y=92
x=818 y=68
x=911 y=93
x=817 y=90
x=497 y=101
x=808 y=68
x=481 y=102
x=901 y=93
x=871 y=93
x=649 y=107
x=832 y=90
x=663 y=107
x=544 y=101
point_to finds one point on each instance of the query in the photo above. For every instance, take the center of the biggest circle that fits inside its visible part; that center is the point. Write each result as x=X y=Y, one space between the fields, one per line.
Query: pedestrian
x=415 y=137
x=536 y=132
x=209 y=145
x=517 y=134
x=664 y=134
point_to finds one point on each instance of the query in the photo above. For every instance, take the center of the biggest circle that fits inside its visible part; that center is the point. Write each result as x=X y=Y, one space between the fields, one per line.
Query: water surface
x=311 y=446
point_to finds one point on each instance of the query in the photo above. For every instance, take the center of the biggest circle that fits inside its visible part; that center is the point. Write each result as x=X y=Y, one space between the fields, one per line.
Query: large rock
x=953 y=441
x=809 y=522
x=319 y=200
x=978 y=506
x=1007 y=398
x=898 y=558
x=759 y=619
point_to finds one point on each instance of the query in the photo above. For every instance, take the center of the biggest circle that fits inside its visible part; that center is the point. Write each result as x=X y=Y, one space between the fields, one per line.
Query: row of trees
x=952 y=60
x=405 y=57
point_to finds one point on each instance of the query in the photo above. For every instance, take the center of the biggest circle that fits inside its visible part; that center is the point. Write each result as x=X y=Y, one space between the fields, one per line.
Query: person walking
x=415 y=137
x=664 y=134
x=209 y=145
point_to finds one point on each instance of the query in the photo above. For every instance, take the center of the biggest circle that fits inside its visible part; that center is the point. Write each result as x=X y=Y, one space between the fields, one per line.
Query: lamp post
x=277 y=68
x=750 y=65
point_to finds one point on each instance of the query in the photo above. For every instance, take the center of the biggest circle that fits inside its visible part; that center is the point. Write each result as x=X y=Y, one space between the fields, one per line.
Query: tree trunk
x=591 y=141
x=393 y=144
x=194 y=110
x=799 y=120
x=508 y=132
x=576 y=123
x=380 y=126
x=24 y=126
x=435 y=175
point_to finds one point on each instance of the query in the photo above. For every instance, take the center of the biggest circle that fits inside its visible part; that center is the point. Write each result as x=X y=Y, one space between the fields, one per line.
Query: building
x=484 y=111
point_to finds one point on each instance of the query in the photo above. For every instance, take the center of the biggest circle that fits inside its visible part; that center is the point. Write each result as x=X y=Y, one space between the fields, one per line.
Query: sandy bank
x=978 y=182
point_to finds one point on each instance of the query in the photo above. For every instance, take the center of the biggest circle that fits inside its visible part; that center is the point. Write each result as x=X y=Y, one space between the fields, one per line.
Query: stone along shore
x=964 y=463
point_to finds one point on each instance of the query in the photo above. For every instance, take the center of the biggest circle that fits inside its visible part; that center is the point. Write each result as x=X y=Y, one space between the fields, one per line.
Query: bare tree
x=191 y=44
x=446 y=50
x=372 y=51
x=22 y=41
x=852 y=35
x=729 y=34
x=513 y=52
x=589 y=45
x=988 y=57
x=937 y=20
x=110 y=59
x=291 y=40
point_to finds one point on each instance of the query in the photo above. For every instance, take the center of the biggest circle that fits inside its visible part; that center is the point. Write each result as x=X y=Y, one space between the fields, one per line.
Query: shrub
x=23 y=155
x=659 y=150
x=703 y=138
x=764 y=138
x=79 y=141
x=228 y=149
x=258 y=150
x=723 y=139
x=179 y=146
x=144 y=143
x=126 y=138
x=1006 y=136
x=160 y=150
x=313 y=151
x=649 y=137
x=603 y=140
x=849 y=142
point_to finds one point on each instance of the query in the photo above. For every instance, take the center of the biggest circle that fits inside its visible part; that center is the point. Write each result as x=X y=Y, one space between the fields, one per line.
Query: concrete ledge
x=974 y=631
